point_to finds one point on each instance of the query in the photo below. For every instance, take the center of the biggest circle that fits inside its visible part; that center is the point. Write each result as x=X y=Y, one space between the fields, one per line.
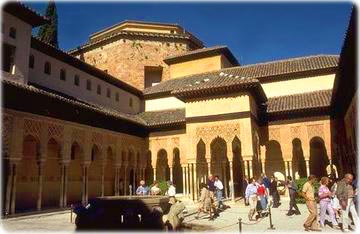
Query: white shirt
x=218 y=185
x=171 y=191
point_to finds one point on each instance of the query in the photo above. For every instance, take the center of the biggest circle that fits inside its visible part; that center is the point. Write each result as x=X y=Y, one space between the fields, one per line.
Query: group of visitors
x=338 y=198
x=208 y=192
x=155 y=189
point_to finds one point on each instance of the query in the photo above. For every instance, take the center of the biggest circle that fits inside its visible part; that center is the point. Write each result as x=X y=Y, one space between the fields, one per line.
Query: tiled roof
x=200 y=53
x=186 y=35
x=62 y=97
x=164 y=117
x=25 y=13
x=260 y=71
x=299 y=102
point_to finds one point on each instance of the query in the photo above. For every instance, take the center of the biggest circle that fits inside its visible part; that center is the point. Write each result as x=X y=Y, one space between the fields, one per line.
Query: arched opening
x=298 y=159
x=109 y=173
x=27 y=176
x=201 y=164
x=219 y=161
x=177 y=171
x=274 y=161
x=94 y=173
x=318 y=157
x=51 y=177
x=238 y=168
x=162 y=166
x=74 y=189
x=149 y=172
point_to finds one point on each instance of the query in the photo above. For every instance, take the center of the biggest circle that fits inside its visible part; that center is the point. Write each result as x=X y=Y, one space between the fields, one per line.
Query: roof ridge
x=299 y=94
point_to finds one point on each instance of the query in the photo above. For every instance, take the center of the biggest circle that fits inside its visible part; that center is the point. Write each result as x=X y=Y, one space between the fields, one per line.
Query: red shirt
x=261 y=190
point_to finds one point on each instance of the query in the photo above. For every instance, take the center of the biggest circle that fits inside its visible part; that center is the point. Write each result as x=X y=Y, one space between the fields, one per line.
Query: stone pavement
x=226 y=222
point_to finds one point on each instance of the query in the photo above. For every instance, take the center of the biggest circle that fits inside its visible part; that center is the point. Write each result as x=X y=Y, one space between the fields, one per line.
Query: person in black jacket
x=292 y=193
x=274 y=192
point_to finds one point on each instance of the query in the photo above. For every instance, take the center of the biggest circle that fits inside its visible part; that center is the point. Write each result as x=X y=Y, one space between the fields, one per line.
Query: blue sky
x=255 y=32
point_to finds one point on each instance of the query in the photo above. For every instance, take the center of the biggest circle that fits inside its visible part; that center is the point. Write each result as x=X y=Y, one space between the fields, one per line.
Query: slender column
x=226 y=185
x=125 y=177
x=307 y=167
x=209 y=166
x=83 y=185
x=290 y=169
x=171 y=174
x=232 y=181
x=246 y=169
x=195 y=182
x=286 y=168
x=154 y=169
x=134 y=180
x=13 y=192
x=61 y=202
x=263 y=166
x=102 y=180
x=116 y=182
x=184 y=180
x=144 y=174
x=40 y=185
x=250 y=169
x=191 y=181
x=8 y=189
x=65 y=184
x=86 y=183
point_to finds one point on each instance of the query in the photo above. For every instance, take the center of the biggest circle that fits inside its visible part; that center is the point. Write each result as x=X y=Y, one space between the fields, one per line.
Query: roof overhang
x=24 y=13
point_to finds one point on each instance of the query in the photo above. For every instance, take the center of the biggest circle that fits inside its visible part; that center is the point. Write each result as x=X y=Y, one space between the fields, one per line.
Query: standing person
x=206 y=203
x=325 y=203
x=142 y=189
x=171 y=192
x=292 y=194
x=311 y=222
x=262 y=194
x=345 y=193
x=251 y=197
x=266 y=182
x=274 y=193
x=334 y=200
x=244 y=186
x=219 y=191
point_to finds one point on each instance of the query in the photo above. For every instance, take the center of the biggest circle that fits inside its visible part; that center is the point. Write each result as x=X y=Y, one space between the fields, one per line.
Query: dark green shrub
x=300 y=183
x=163 y=186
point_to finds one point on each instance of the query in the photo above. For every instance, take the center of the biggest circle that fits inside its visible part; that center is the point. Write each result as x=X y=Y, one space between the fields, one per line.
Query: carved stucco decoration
x=78 y=135
x=274 y=134
x=225 y=131
x=32 y=127
x=56 y=131
x=295 y=132
x=97 y=139
x=315 y=130
x=8 y=122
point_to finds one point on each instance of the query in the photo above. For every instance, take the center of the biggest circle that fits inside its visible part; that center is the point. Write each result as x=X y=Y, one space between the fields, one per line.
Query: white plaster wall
x=52 y=81
x=21 y=42
x=163 y=104
x=296 y=86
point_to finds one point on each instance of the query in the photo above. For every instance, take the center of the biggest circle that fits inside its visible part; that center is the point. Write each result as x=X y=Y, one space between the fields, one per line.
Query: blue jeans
x=219 y=197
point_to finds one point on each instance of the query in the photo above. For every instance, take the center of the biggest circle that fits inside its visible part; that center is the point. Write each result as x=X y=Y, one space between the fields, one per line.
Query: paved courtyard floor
x=226 y=222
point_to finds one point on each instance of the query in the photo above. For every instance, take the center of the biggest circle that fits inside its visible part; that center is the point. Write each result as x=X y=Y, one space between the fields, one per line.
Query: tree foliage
x=48 y=32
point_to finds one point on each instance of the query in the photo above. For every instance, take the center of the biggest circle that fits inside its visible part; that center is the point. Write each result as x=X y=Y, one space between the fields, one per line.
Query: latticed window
x=12 y=32
x=88 y=84
x=98 y=90
x=108 y=92
x=77 y=80
x=117 y=97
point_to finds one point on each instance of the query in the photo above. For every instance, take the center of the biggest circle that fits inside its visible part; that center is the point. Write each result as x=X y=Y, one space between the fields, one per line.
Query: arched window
x=31 y=61
x=12 y=32
x=62 y=74
x=47 y=68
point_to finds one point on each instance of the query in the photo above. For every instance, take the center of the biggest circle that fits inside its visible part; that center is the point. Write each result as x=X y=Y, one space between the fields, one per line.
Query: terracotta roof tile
x=164 y=117
x=260 y=71
x=298 y=102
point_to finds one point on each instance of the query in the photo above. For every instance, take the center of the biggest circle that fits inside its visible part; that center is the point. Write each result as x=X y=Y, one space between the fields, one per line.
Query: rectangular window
x=152 y=76
x=77 y=80
x=62 y=74
x=88 y=85
x=108 y=92
x=98 y=90
x=8 y=58
x=117 y=97
x=31 y=61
